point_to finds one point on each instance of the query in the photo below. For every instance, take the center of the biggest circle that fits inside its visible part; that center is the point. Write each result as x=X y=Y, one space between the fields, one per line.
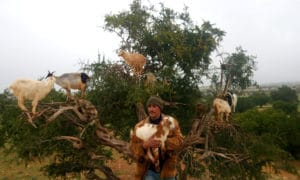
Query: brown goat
x=135 y=60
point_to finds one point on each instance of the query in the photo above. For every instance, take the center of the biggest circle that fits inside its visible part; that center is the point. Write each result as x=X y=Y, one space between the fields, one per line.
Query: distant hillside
x=267 y=87
x=278 y=84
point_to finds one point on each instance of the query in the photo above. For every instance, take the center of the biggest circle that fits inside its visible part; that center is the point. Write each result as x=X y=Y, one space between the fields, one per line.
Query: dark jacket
x=173 y=144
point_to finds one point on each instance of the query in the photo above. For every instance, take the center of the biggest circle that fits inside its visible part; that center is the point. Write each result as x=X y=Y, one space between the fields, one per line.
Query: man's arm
x=175 y=139
x=136 y=144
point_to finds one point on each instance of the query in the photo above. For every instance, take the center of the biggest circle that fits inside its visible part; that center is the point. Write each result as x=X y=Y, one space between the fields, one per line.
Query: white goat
x=135 y=60
x=221 y=108
x=232 y=100
x=158 y=132
x=27 y=89
x=70 y=81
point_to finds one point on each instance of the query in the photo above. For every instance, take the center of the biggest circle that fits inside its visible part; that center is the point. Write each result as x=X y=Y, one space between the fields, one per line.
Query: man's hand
x=151 y=143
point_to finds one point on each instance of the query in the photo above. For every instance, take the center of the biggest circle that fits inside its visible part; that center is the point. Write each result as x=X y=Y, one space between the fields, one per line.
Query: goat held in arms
x=158 y=132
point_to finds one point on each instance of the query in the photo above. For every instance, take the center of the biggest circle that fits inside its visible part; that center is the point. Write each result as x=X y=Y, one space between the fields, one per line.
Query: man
x=145 y=169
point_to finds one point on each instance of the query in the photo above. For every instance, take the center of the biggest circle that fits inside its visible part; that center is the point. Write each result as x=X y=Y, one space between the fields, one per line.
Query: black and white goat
x=70 y=81
x=232 y=100
x=225 y=106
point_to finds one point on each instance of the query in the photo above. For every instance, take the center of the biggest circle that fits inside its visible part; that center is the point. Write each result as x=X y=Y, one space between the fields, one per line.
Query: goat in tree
x=34 y=90
x=135 y=60
x=232 y=100
x=70 y=81
x=221 y=108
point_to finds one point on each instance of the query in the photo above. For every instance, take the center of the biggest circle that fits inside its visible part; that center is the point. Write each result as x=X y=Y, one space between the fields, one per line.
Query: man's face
x=154 y=111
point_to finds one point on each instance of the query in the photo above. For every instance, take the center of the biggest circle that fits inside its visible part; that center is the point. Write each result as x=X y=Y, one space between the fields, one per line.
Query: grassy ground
x=10 y=168
x=15 y=169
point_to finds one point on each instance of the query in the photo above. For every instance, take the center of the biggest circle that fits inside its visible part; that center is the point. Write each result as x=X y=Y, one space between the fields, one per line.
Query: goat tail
x=84 y=77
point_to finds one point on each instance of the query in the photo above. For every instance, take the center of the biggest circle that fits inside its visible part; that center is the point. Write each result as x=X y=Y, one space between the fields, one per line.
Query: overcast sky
x=41 y=35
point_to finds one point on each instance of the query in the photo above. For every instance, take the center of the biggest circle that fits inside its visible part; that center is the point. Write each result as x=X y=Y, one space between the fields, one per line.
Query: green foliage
x=239 y=155
x=287 y=107
x=253 y=100
x=109 y=94
x=237 y=141
x=245 y=103
x=285 y=99
x=260 y=98
x=243 y=68
x=174 y=46
x=237 y=70
x=129 y=25
x=177 y=51
x=292 y=133
x=73 y=162
x=277 y=130
x=7 y=114
x=284 y=93
x=114 y=93
x=30 y=144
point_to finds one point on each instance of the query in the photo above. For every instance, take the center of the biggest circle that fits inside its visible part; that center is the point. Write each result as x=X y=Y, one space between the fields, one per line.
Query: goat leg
x=157 y=166
x=30 y=119
x=21 y=104
x=34 y=105
x=151 y=156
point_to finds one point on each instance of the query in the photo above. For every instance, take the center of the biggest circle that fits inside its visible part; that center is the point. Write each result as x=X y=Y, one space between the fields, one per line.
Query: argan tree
x=81 y=134
x=236 y=72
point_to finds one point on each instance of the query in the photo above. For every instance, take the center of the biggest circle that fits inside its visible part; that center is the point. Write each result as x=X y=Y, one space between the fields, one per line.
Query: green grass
x=13 y=168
